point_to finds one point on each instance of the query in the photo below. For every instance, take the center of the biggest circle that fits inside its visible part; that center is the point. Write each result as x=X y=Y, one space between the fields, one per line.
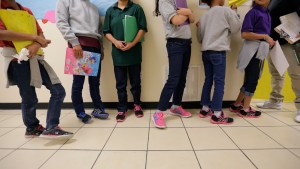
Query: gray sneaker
x=270 y=105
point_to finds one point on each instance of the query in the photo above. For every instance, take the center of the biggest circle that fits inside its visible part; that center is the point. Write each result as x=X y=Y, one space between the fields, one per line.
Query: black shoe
x=235 y=109
x=85 y=118
x=251 y=114
x=34 y=132
x=121 y=116
x=221 y=120
x=56 y=132
x=138 y=111
x=203 y=114
x=100 y=114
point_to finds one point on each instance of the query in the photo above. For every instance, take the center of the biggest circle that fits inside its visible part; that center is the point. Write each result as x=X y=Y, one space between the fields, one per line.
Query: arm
x=182 y=15
x=137 y=39
x=198 y=25
x=8 y=35
x=233 y=20
x=62 y=23
x=118 y=44
x=256 y=36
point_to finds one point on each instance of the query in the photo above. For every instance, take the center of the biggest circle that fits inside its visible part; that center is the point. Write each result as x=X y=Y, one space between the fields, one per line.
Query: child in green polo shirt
x=127 y=57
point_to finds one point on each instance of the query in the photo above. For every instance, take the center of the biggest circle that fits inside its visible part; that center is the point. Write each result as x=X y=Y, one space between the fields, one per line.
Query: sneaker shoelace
x=121 y=113
x=182 y=111
x=160 y=117
x=137 y=107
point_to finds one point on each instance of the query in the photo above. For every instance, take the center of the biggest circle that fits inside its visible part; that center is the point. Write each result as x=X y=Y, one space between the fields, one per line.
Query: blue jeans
x=20 y=74
x=214 y=67
x=252 y=73
x=134 y=72
x=94 y=84
x=179 y=53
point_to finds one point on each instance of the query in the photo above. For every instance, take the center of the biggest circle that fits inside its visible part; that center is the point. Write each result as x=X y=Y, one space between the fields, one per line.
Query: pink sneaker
x=158 y=119
x=179 y=111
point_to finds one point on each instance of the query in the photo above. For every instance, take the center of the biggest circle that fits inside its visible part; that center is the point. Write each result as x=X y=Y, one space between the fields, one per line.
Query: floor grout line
x=239 y=148
x=191 y=143
x=104 y=145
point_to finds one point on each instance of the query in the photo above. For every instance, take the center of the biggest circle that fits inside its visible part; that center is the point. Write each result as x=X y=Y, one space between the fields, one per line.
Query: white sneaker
x=297 y=118
x=270 y=105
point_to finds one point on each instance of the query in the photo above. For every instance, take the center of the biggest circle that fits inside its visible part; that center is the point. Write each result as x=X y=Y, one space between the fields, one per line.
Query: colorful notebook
x=22 y=22
x=130 y=28
x=182 y=4
x=88 y=65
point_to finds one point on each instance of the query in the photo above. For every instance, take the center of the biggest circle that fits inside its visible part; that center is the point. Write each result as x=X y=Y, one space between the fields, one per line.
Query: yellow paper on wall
x=237 y=2
x=22 y=22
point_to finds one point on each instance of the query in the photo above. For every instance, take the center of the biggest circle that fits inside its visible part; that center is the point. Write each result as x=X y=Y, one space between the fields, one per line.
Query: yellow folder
x=22 y=22
x=237 y=2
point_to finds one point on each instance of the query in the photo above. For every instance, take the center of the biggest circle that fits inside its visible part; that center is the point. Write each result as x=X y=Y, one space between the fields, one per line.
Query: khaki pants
x=277 y=81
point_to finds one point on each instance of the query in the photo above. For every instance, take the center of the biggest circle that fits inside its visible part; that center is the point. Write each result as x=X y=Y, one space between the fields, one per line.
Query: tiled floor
x=269 y=142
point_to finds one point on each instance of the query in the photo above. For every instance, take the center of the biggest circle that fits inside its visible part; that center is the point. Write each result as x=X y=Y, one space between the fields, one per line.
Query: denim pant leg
x=121 y=84
x=218 y=61
x=94 y=83
x=252 y=72
x=176 y=51
x=58 y=94
x=135 y=81
x=20 y=74
x=77 y=99
x=208 y=70
x=178 y=93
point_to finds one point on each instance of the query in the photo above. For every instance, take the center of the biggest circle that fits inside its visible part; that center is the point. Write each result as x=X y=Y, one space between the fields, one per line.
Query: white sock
x=174 y=106
x=218 y=113
x=298 y=112
x=205 y=108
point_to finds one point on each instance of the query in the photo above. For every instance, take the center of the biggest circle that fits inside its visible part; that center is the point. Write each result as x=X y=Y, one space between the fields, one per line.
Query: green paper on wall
x=130 y=28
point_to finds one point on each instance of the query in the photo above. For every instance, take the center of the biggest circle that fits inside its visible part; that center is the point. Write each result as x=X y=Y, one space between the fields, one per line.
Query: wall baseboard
x=112 y=105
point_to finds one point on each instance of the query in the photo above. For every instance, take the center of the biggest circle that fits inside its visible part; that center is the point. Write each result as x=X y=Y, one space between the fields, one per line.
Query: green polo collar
x=129 y=4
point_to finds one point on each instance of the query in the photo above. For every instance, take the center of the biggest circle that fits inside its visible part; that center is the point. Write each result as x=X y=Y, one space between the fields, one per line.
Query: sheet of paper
x=278 y=58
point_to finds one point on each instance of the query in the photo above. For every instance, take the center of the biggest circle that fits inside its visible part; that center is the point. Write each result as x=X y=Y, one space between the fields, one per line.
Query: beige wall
x=154 y=61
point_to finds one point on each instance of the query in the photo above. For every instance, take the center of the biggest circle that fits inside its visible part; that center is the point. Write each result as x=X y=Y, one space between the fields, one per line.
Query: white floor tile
x=72 y=159
x=210 y=138
x=273 y=159
x=121 y=159
x=288 y=137
x=128 y=139
x=224 y=159
x=88 y=138
x=13 y=139
x=5 y=152
x=250 y=138
x=169 y=139
x=172 y=160
x=26 y=159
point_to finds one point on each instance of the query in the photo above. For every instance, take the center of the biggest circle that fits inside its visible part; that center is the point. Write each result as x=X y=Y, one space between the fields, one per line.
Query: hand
x=119 y=44
x=42 y=41
x=198 y=24
x=78 y=53
x=270 y=41
x=298 y=36
x=233 y=7
x=184 y=11
x=128 y=46
x=33 y=49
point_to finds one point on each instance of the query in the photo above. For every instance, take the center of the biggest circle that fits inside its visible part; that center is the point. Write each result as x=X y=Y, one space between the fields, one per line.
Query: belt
x=88 y=42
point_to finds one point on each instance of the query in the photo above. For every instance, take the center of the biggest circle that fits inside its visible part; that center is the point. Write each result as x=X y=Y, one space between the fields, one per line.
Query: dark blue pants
x=134 y=72
x=94 y=84
x=214 y=66
x=252 y=73
x=179 y=53
x=20 y=74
